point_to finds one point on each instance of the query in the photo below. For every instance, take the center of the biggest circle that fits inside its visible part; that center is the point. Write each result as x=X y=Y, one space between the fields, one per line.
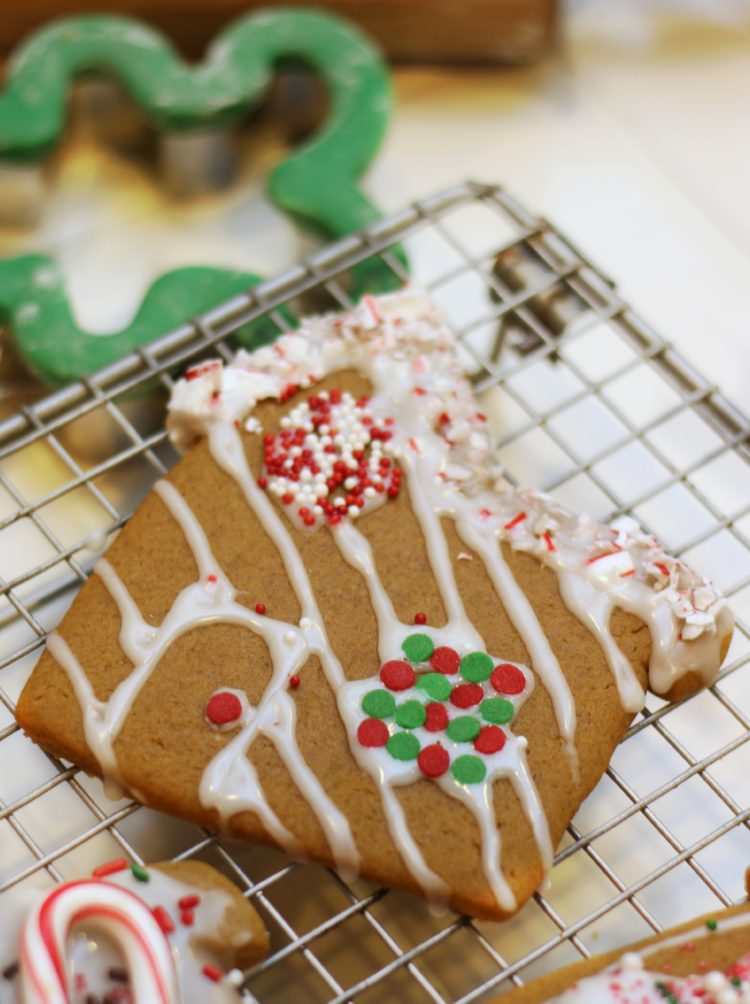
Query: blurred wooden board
x=447 y=31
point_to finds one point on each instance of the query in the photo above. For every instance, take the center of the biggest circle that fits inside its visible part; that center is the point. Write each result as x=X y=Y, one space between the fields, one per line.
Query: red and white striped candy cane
x=112 y=909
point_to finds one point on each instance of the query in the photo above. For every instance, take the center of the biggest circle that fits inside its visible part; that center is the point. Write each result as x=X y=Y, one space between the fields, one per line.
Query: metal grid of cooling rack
x=584 y=400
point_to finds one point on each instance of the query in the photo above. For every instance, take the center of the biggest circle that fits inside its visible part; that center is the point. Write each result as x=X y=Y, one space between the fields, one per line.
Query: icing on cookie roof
x=123 y=935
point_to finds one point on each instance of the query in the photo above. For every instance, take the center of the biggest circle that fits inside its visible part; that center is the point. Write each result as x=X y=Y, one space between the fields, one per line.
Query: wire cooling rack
x=586 y=401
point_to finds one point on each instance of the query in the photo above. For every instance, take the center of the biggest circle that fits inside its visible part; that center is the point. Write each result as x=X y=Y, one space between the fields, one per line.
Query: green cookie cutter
x=317 y=183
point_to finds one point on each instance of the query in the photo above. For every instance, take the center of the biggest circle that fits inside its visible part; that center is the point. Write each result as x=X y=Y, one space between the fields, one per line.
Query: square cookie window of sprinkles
x=291 y=613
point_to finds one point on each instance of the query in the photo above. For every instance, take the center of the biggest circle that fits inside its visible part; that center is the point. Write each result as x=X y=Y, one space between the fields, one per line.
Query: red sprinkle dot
x=507 y=679
x=262 y=482
x=187 y=917
x=163 y=919
x=445 y=660
x=212 y=579
x=110 y=868
x=466 y=695
x=397 y=675
x=434 y=760
x=437 y=717
x=223 y=708
x=260 y=608
x=212 y=972
x=491 y=739
x=372 y=732
x=420 y=618
x=294 y=682
x=189 y=902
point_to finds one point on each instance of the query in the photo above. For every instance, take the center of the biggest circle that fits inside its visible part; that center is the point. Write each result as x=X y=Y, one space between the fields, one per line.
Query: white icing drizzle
x=440 y=441
x=93 y=948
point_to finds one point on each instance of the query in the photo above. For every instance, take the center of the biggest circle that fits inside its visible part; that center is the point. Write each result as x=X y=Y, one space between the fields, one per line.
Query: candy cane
x=124 y=917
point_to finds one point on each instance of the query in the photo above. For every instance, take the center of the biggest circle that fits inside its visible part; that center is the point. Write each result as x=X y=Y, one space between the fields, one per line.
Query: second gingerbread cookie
x=331 y=630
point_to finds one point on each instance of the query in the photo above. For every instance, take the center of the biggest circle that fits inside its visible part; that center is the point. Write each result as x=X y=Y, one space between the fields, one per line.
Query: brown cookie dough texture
x=701 y=948
x=165 y=744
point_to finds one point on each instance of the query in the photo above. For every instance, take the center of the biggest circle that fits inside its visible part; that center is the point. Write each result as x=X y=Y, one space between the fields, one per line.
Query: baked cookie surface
x=171 y=933
x=332 y=628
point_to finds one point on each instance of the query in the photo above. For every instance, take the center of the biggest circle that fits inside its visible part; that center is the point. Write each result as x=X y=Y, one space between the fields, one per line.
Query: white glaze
x=94 y=947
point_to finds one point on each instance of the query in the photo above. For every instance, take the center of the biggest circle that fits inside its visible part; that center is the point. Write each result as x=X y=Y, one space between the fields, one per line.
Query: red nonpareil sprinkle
x=508 y=679
x=372 y=732
x=212 y=579
x=223 y=708
x=110 y=868
x=547 y=538
x=420 y=618
x=212 y=972
x=189 y=902
x=437 y=717
x=434 y=760
x=466 y=695
x=260 y=608
x=335 y=396
x=262 y=482
x=287 y=498
x=294 y=681
x=480 y=417
x=215 y=396
x=163 y=919
x=444 y=418
x=491 y=739
x=419 y=391
x=414 y=444
x=187 y=917
x=397 y=675
x=485 y=513
x=515 y=521
x=445 y=660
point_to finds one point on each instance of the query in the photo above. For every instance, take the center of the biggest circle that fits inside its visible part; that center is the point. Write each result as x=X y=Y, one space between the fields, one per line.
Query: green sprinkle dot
x=379 y=704
x=476 y=667
x=436 y=685
x=468 y=769
x=410 y=714
x=418 y=647
x=712 y=924
x=496 y=710
x=140 y=873
x=736 y=981
x=463 y=729
x=403 y=746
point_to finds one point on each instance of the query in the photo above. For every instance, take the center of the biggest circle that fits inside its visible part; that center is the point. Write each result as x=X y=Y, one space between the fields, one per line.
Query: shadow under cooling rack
x=584 y=400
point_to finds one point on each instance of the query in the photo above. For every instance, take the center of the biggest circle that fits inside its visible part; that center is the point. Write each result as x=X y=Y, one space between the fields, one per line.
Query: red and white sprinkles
x=328 y=460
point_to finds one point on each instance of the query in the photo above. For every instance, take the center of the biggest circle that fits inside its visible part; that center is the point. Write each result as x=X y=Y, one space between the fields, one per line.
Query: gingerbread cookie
x=330 y=628
x=168 y=934
x=706 y=961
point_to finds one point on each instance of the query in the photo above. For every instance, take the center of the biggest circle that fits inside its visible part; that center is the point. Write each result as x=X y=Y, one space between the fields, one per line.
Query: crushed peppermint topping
x=402 y=343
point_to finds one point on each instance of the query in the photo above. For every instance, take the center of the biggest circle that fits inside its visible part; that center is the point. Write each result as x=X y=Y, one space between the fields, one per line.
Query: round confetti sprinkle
x=397 y=675
x=379 y=704
x=434 y=760
x=466 y=695
x=418 y=647
x=445 y=660
x=411 y=714
x=496 y=710
x=491 y=739
x=436 y=685
x=437 y=718
x=223 y=708
x=420 y=618
x=260 y=608
x=507 y=679
x=372 y=732
x=476 y=667
x=294 y=681
x=468 y=769
x=463 y=729
x=403 y=746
